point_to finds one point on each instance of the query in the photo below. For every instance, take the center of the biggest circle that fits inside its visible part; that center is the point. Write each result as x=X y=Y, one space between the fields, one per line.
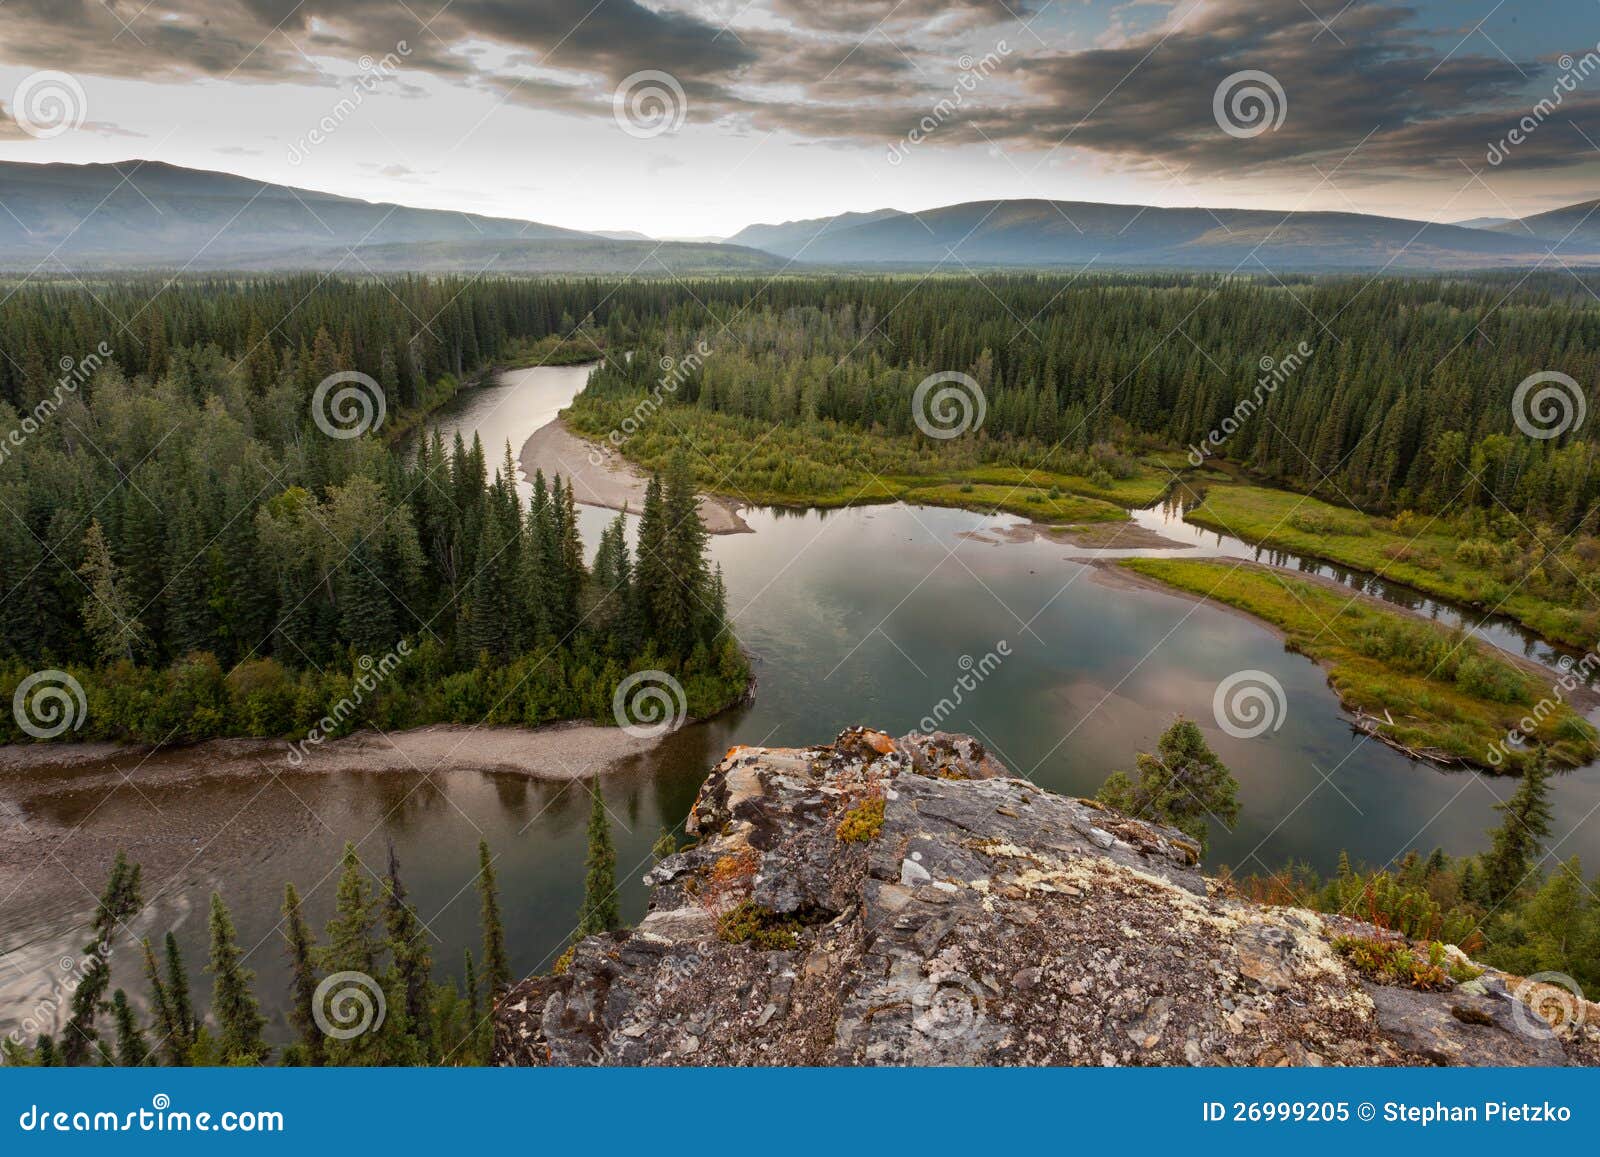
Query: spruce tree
x=496 y=964
x=108 y=613
x=1520 y=836
x=600 y=912
x=301 y=946
x=132 y=1052
x=413 y=962
x=1182 y=784
x=119 y=903
x=238 y=1015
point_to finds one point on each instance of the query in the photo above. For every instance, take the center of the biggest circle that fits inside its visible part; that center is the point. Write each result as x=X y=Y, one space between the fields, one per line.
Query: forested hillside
x=187 y=534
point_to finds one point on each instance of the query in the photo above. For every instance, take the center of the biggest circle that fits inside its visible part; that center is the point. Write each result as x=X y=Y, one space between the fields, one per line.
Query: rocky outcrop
x=884 y=901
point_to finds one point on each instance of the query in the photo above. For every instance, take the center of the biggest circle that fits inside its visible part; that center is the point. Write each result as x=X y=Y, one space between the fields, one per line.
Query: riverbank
x=602 y=477
x=1422 y=552
x=560 y=751
x=1425 y=691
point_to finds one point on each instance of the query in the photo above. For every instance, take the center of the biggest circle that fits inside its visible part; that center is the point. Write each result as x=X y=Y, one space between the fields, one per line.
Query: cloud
x=1405 y=98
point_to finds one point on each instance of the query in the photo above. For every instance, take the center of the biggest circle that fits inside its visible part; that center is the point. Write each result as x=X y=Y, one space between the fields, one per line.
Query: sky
x=690 y=118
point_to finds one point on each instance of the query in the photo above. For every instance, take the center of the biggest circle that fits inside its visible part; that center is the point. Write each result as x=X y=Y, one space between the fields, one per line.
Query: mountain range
x=147 y=214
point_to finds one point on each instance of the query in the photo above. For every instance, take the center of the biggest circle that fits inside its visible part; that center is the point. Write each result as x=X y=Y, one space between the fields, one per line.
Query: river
x=864 y=615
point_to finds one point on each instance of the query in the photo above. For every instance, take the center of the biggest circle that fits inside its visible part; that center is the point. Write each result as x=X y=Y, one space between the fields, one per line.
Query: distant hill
x=1074 y=233
x=133 y=215
x=1575 y=225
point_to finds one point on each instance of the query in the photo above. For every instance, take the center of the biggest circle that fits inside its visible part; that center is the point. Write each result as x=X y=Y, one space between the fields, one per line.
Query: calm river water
x=867 y=615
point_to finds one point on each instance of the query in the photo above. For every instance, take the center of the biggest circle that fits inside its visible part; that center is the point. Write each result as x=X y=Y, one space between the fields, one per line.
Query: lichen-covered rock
x=982 y=920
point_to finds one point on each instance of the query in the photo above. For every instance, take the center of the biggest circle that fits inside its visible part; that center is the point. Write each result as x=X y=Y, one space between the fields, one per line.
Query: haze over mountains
x=151 y=215
x=1076 y=233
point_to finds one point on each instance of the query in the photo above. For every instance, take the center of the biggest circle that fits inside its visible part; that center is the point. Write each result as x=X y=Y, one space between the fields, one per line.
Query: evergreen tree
x=132 y=1052
x=1183 y=784
x=238 y=1016
x=601 y=911
x=301 y=945
x=119 y=903
x=1516 y=844
x=108 y=613
x=496 y=964
x=413 y=962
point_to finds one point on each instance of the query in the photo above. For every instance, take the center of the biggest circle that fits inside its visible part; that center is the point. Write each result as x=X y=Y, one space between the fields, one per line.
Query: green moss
x=863 y=822
x=750 y=923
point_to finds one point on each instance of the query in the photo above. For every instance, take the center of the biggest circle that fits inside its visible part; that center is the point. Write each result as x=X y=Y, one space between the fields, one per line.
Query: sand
x=562 y=751
x=602 y=477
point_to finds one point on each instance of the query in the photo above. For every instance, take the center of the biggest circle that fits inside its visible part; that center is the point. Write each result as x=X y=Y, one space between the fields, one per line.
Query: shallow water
x=868 y=615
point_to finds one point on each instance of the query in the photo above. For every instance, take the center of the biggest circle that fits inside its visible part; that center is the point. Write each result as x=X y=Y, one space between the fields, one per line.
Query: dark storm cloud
x=866 y=70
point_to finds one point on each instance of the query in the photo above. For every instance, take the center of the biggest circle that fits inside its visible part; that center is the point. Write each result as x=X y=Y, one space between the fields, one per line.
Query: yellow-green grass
x=1145 y=487
x=827 y=464
x=1028 y=502
x=1429 y=690
x=1413 y=551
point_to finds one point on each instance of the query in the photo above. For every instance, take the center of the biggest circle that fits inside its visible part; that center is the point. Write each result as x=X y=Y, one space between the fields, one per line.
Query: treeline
x=205 y=559
x=1403 y=401
x=365 y=993
x=1502 y=907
